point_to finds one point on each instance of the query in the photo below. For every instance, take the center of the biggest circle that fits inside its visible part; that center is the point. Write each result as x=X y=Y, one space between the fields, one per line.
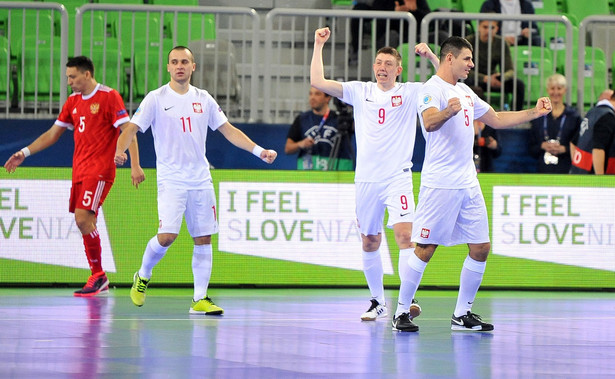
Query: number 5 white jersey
x=449 y=150
x=385 y=127
x=179 y=126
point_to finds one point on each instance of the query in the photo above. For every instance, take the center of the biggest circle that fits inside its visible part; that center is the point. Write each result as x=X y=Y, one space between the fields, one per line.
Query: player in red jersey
x=96 y=113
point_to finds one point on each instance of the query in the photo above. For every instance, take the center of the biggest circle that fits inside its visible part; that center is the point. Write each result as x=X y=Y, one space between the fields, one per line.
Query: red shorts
x=88 y=194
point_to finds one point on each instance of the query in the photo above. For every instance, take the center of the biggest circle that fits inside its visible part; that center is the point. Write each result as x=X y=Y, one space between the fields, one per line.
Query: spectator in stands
x=490 y=63
x=418 y=8
x=314 y=134
x=95 y=113
x=550 y=136
x=595 y=143
x=515 y=31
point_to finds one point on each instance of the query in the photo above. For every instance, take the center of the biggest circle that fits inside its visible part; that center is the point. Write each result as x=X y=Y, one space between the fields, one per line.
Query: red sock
x=93 y=251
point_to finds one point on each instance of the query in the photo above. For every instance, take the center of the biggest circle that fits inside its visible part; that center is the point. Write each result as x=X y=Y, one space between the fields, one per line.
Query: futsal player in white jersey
x=385 y=127
x=179 y=115
x=451 y=208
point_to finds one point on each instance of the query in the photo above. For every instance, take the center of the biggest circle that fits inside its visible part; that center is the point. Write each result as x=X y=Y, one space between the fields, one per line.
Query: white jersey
x=385 y=128
x=449 y=150
x=179 y=126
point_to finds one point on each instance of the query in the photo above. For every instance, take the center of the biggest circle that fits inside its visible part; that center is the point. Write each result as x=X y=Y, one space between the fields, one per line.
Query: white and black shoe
x=470 y=322
x=376 y=310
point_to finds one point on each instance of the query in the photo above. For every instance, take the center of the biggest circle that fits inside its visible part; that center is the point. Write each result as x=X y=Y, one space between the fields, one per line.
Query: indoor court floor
x=301 y=333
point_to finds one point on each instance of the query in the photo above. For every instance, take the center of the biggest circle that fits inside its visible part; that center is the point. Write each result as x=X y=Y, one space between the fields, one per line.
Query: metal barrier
x=599 y=30
x=445 y=20
x=289 y=38
x=33 y=53
x=142 y=36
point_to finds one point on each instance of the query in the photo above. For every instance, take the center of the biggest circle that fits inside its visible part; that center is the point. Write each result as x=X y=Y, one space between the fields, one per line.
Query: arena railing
x=289 y=38
x=33 y=54
x=528 y=69
x=143 y=35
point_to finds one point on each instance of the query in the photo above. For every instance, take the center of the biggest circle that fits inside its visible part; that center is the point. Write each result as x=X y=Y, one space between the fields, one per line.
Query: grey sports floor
x=301 y=333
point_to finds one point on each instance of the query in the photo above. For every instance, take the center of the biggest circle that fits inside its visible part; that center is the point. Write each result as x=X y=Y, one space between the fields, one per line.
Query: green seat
x=533 y=66
x=595 y=80
x=150 y=67
x=581 y=9
x=6 y=82
x=190 y=27
x=441 y=4
x=24 y=23
x=41 y=71
x=109 y=67
x=592 y=54
x=555 y=40
x=471 y=6
x=549 y=7
x=128 y=27
x=404 y=49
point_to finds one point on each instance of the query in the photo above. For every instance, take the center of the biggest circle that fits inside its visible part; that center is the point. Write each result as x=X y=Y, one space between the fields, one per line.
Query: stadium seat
x=41 y=70
x=471 y=6
x=595 y=81
x=533 y=65
x=581 y=9
x=216 y=56
x=24 y=23
x=150 y=66
x=403 y=50
x=592 y=54
x=109 y=67
x=6 y=81
x=441 y=4
x=146 y=27
x=549 y=7
x=189 y=27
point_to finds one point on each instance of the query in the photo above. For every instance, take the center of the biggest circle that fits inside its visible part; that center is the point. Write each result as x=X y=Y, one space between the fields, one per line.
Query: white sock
x=154 y=252
x=372 y=268
x=410 y=285
x=201 y=269
x=469 y=281
x=403 y=301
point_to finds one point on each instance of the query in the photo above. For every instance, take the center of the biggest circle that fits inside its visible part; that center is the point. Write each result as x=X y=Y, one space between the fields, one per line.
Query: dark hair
x=454 y=45
x=390 y=51
x=180 y=47
x=82 y=63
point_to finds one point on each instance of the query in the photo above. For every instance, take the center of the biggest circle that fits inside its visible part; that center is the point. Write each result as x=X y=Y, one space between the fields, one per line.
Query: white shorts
x=199 y=207
x=450 y=217
x=372 y=199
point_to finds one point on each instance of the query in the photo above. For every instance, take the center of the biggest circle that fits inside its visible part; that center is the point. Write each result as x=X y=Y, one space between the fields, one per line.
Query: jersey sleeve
x=217 y=118
x=64 y=118
x=349 y=89
x=480 y=106
x=144 y=115
x=429 y=97
x=119 y=113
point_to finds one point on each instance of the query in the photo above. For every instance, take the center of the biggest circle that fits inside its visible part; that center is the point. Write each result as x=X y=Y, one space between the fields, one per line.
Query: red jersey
x=95 y=119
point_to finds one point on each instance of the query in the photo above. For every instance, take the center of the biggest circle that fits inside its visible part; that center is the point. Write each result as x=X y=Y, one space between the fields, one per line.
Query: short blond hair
x=557 y=79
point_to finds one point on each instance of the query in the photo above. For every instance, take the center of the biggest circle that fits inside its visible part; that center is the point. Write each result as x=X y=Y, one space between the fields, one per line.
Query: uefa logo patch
x=427 y=99
x=425 y=233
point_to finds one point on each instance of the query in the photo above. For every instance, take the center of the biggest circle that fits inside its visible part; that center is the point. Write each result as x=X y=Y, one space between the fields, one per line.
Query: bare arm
x=239 y=139
x=136 y=172
x=292 y=147
x=598 y=156
x=317 y=72
x=433 y=119
x=129 y=131
x=43 y=141
x=423 y=50
x=501 y=120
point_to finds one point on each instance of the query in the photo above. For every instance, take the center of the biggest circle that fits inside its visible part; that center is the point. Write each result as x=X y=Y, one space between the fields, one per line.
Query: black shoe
x=402 y=323
x=470 y=322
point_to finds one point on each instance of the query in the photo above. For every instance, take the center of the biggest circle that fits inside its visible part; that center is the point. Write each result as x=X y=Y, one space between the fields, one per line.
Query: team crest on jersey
x=74 y=110
x=396 y=100
x=197 y=107
x=425 y=233
x=470 y=102
x=94 y=108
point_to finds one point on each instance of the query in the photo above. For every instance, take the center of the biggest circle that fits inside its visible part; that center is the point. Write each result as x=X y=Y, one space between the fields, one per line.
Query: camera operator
x=321 y=137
